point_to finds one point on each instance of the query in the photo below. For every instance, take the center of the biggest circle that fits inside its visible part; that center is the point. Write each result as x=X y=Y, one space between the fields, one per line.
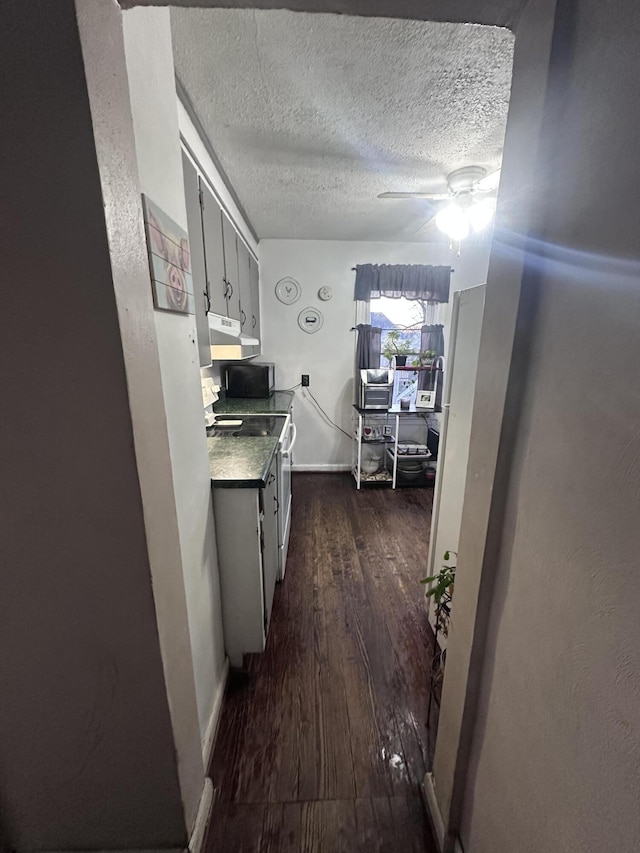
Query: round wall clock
x=288 y=290
x=325 y=293
x=310 y=320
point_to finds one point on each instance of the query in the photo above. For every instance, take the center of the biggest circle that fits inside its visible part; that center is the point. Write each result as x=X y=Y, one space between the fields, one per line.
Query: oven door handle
x=287 y=452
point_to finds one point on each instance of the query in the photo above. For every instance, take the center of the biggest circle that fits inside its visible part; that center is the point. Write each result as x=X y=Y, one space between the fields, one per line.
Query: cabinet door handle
x=230 y=293
x=244 y=317
x=255 y=322
x=207 y=301
x=277 y=509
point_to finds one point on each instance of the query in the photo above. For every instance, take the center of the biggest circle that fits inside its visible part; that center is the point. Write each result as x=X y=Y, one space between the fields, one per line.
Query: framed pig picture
x=169 y=261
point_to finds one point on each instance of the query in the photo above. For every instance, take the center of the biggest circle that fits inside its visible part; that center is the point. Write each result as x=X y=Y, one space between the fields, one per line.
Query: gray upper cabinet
x=225 y=274
x=196 y=247
x=244 y=277
x=254 y=282
x=213 y=251
x=231 y=268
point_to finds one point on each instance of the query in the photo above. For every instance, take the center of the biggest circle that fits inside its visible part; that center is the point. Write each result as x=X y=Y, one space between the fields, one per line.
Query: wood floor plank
x=346 y=819
x=336 y=778
x=374 y=826
x=410 y=825
x=319 y=830
x=406 y=650
x=367 y=727
x=242 y=829
x=216 y=828
x=281 y=830
x=324 y=745
x=386 y=667
x=291 y=832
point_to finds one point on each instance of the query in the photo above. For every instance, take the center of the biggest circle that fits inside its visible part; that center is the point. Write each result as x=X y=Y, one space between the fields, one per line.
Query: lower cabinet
x=247 y=536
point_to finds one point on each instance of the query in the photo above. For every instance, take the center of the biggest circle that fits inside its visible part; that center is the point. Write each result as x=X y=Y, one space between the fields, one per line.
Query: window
x=406 y=316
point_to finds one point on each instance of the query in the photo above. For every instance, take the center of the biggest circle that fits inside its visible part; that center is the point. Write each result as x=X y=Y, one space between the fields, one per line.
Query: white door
x=453 y=455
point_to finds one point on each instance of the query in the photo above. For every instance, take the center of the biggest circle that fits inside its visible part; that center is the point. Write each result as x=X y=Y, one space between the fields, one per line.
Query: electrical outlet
x=305 y=380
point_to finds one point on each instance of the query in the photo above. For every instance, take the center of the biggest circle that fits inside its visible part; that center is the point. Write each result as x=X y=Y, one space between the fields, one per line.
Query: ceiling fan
x=471 y=196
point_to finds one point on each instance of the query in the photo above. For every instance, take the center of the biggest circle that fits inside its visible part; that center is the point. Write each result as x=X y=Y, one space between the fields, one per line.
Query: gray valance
x=413 y=281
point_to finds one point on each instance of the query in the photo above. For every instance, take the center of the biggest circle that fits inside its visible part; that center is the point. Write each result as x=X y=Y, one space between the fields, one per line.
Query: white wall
x=519 y=200
x=328 y=355
x=554 y=700
x=93 y=757
x=557 y=741
x=155 y=117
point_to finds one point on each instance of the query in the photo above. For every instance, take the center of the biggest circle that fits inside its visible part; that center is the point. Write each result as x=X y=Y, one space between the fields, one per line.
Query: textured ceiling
x=312 y=115
x=496 y=13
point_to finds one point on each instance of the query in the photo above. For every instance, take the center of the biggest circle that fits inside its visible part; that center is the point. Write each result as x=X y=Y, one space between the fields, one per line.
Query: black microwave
x=250 y=379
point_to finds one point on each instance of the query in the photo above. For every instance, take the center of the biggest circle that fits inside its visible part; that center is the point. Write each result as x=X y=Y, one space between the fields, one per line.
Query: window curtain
x=363 y=313
x=368 y=346
x=413 y=281
x=432 y=313
x=431 y=338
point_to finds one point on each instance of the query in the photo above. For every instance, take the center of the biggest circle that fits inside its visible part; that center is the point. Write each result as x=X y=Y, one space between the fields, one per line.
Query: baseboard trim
x=433 y=810
x=214 y=719
x=203 y=817
x=322 y=469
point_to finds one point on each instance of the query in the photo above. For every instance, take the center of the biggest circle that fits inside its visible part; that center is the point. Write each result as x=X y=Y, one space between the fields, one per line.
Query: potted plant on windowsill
x=395 y=348
x=427 y=358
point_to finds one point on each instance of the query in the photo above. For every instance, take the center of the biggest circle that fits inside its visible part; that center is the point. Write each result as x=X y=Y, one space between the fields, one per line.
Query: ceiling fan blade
x=428 y=196
x=425 y=224
x=489 y=183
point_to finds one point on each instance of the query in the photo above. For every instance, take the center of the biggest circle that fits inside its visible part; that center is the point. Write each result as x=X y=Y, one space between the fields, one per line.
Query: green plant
x=427 y=357
x=442 y=592
x=442 y=582
x=394 y=345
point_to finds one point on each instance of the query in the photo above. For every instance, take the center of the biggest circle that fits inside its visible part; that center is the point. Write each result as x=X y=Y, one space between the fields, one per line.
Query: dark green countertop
x=278 y=403
x=241 y=462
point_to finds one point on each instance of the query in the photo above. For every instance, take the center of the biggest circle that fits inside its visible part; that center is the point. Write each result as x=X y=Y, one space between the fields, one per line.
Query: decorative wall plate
x=310 y=320
x=288 y=290
x=325 y=293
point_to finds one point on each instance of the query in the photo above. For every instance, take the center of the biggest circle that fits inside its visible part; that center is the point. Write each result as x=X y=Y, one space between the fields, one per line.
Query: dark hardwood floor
x=324 y=747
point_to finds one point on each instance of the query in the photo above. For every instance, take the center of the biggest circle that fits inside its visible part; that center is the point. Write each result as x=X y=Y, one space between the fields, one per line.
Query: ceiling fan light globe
x=453 y=222
x=481 y=213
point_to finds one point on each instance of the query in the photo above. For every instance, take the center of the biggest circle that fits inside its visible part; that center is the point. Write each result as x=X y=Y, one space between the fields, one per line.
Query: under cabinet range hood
x=228 y=342
x=223 y=326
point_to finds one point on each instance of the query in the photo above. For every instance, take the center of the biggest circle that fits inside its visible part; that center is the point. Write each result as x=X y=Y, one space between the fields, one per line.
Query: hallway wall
x=556 y=747
x=155 y=119
x=88 y=759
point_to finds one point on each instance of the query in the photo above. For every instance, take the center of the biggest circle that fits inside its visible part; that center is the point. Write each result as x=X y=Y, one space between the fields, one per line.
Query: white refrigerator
x=455 y=428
